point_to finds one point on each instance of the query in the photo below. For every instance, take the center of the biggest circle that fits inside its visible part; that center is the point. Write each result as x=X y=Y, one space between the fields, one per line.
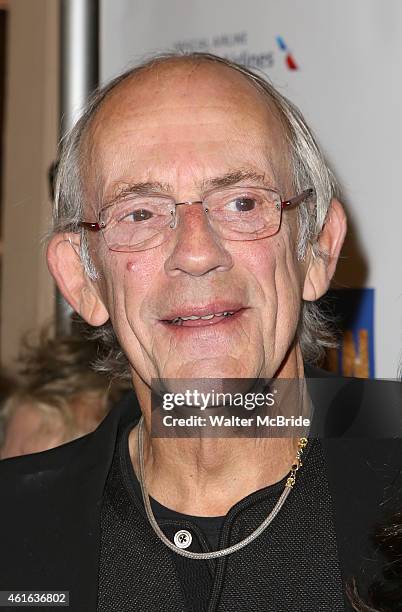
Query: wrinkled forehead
x=181 y=118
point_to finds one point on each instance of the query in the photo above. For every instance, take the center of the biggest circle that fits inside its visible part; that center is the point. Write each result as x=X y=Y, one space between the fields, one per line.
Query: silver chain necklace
x=224 y=551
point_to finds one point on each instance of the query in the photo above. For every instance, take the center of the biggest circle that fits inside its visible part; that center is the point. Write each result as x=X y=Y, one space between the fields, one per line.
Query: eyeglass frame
x=293 y=201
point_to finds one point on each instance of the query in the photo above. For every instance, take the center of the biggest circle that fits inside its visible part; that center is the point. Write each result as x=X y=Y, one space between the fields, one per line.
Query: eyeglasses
x=141 y=222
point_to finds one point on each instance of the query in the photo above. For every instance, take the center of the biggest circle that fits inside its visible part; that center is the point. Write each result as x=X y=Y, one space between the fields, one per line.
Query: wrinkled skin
x=183 y=129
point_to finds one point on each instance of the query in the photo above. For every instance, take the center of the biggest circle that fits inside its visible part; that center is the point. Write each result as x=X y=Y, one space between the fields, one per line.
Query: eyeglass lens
x=142 y=222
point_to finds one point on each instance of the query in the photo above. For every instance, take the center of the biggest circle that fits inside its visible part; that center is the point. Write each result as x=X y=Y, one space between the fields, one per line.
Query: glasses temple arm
x=308 y=193
x=93 y=227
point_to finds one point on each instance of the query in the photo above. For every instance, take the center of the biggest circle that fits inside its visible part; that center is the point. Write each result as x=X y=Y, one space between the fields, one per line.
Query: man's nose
x=196 y=248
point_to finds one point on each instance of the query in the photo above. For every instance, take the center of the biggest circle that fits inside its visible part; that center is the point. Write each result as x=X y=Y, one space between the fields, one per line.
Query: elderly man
x=196 y=222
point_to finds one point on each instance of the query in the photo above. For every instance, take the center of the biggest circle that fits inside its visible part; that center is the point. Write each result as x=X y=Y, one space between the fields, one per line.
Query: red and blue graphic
x=289 y=59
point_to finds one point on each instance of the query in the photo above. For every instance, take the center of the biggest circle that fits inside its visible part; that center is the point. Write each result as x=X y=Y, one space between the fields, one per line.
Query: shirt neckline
x=163 y=512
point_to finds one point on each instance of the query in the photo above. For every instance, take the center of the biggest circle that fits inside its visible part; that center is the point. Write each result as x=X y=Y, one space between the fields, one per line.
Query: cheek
x=129 y=283
x=288 y=283
x=257 y=257
x=274 y=266
x=139 y=273
x=124 y=276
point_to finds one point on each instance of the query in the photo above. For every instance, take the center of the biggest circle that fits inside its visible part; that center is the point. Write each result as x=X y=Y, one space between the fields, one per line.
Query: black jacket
x=50 y=502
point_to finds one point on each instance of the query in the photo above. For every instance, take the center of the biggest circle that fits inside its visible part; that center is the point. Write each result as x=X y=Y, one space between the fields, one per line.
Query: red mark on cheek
x=132 y=266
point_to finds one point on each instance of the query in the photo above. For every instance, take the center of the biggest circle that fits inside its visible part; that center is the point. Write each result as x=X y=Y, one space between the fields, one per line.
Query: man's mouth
x=191 y=320
x=202 y=316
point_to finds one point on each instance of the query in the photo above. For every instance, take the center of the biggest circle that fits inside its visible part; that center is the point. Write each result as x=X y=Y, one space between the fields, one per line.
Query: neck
x=207 y=476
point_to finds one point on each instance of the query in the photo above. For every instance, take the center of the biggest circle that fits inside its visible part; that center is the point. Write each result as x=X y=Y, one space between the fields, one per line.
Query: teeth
x=179 y=320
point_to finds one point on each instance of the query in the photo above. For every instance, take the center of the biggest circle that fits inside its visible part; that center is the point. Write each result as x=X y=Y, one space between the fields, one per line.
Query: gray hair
x=309 y=169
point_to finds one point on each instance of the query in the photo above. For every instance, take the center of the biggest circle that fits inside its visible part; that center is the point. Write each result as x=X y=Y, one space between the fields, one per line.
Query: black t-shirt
x=292 y=566
x=209 y=525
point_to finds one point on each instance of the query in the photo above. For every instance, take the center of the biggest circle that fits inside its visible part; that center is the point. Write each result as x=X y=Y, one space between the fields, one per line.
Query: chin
x=211 y=368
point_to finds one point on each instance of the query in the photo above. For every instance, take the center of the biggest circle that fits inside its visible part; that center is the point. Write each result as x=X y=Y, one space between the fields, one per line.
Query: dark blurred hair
x=7 y=385
x=63 y=365
x=385 y=593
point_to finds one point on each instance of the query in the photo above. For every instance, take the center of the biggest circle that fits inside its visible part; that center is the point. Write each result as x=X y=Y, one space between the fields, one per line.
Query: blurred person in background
x=33 y=423
x=8 y=386
x=59 y=396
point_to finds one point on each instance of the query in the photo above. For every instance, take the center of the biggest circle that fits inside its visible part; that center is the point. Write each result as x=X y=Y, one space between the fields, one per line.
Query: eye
x=242 y=204
x=141 y=214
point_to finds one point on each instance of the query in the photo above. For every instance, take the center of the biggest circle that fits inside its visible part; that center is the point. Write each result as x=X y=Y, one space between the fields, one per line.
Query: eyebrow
x=225 y=180
x=140 y=188
x=232 y=178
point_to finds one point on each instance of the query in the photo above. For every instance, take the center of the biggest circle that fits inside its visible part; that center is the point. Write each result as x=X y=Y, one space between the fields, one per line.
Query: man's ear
x=321 y=269
x=67 y=269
